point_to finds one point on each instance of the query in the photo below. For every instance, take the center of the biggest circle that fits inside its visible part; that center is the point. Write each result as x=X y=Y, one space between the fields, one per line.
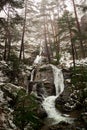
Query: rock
x=45 y=74
x=85 y=104
x=62 y=126
x=42 y=113
x=63 y=99
x=84 y=117
x=85 y=92
x=40 y=89
x=8 y=93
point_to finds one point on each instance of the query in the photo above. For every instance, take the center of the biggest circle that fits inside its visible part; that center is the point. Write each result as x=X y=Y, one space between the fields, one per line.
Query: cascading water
x=38 y=59
x=32 y=75
x=58 y=80
x=49 y=102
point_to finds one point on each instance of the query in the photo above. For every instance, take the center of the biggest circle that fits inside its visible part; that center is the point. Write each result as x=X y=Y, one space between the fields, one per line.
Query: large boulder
x=8 y=93
x=45 y=74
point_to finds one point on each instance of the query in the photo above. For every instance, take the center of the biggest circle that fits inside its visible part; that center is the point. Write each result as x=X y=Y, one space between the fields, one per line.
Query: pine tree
x=8 y=24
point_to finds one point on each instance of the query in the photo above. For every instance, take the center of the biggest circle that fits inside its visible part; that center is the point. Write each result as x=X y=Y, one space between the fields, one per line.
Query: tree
x=79 y=31
x=67 y=31
x=25 y=112
x=8 y=24
x=23 y=33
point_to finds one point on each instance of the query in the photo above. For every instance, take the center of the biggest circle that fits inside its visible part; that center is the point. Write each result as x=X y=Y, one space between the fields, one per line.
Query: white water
x=38 y=59
x=32 y=75
x=58 y=80
x=49 y=102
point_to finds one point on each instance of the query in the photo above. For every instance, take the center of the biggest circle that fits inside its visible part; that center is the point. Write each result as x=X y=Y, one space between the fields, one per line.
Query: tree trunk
x=5 y=50
x=45 y=36
x=23 y=34
x=9 y=47
x=72 y=46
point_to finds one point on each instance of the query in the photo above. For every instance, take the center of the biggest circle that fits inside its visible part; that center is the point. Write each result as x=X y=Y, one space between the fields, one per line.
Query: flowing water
x=49 y=102
x=32 y=75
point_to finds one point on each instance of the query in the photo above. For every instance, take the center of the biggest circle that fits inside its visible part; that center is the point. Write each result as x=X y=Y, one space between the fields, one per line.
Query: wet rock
x=85 y=104
x=42 y=113
x=45 y=74
x=63 y=99
x=85 y=92
x=62 y=126
x=40 y=89
x=84 y=117
x=8 y=93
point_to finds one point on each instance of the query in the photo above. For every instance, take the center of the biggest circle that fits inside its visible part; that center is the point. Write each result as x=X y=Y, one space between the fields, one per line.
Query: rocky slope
x=72 y=102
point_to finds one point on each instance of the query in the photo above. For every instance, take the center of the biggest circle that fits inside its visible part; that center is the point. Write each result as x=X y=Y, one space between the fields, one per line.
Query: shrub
x=13 y=68
x=25 y=112
x=79 y=77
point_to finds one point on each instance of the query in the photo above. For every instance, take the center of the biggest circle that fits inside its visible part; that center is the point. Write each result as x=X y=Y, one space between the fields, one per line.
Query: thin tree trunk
x=5 y=50
x=76 y=54
x=52 y=27
x=23 y=34
x=9 y=47
x=45 y=36
x=8 y=34
x=49 y=38
x=70 y=32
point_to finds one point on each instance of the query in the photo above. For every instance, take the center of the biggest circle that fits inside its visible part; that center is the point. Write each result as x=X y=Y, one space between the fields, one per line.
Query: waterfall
x=58 y=80
x=49 y=102
x=38 y=59
x=32 y=75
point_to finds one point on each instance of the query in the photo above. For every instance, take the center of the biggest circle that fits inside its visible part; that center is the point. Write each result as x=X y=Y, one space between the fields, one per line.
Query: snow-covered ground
x=66 y=60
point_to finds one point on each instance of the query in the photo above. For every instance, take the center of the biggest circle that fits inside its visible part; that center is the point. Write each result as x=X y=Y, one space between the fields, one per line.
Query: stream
x=49 y=101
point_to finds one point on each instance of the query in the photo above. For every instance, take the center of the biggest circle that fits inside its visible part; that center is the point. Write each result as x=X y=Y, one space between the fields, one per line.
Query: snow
x=66 y=60
x=81 y=62
x=2 y=78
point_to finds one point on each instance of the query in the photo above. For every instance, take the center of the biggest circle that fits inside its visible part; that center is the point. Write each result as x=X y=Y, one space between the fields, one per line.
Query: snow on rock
x=3 y=77
x=7 y=93
x=81 y=62
x=66 y=60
